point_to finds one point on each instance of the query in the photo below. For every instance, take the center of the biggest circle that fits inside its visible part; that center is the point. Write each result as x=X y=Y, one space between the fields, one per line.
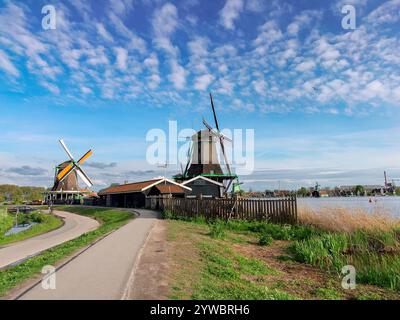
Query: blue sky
x=324 y=102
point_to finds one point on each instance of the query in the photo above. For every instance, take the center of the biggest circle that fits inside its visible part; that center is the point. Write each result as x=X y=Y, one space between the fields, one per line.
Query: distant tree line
x=16 y=194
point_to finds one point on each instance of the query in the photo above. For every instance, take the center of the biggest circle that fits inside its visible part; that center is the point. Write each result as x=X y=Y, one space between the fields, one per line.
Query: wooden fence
x=280 y=210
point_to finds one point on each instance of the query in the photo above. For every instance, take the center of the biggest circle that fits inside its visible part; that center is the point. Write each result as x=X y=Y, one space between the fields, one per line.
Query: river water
x=387 y=204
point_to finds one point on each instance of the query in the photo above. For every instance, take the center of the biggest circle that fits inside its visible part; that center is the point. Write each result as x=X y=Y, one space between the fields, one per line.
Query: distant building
x=368 y=189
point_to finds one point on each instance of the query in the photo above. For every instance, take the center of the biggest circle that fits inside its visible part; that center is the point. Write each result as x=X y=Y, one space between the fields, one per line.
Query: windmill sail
x=220 y=139
x=74 y=166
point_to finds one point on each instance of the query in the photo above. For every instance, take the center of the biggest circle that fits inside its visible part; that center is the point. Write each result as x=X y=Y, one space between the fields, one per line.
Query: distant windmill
x=66 y=185
x=73 y=166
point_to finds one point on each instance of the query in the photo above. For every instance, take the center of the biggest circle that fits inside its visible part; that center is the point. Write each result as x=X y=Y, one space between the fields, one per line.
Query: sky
x=323 y=101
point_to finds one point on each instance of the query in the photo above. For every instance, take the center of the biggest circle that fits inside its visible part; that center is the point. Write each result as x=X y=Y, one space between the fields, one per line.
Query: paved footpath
x=104 y=270
x=74 y=226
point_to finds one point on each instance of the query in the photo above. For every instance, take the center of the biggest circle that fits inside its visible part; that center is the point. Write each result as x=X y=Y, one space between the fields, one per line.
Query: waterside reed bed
x=368 y=241
x=347 y=220
x=330 y=239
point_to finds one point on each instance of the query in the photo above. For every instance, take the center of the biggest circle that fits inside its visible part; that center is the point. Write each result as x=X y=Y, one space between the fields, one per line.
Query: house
x=133 y=195
x=204 y=187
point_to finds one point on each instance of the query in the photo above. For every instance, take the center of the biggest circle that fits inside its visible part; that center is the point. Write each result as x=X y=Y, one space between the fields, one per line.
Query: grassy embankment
x=258 y=260
x=44 y=223
x=110 y=219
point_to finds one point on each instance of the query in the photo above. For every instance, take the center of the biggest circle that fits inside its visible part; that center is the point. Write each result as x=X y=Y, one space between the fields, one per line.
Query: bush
x=35 y=217
x=265 y=240
x=168 y=214
x=217 y=230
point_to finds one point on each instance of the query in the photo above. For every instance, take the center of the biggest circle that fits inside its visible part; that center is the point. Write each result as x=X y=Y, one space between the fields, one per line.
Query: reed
x=347 y=220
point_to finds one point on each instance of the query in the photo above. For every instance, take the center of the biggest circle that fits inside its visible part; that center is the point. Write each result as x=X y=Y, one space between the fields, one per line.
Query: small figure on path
x=51 y=207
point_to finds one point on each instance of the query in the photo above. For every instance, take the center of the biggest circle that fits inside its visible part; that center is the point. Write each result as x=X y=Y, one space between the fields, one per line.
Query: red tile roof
x=169 y=188
x=129 y=187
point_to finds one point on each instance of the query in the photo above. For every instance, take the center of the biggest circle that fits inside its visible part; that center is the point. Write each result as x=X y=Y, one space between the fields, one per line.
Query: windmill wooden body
x=66 y=187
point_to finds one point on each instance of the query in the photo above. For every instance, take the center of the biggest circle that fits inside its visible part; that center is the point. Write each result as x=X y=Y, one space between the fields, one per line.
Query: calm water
x=19 y=228
x=389 y=204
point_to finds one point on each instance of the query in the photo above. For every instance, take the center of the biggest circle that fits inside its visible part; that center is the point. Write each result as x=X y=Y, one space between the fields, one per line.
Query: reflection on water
x=369 y=204
x=19 y=228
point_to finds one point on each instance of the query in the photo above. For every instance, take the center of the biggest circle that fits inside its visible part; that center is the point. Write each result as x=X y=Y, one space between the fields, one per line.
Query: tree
x=303 y=192
x=398 y=191
x=359 y=190
x=19 y=194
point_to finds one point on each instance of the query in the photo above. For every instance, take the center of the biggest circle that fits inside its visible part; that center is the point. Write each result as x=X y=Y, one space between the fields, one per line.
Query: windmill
x=202 y=154
x=66 y=185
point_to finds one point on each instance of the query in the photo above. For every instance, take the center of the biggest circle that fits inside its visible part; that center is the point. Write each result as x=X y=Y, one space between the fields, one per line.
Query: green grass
x=217 y=230
x=6 y=221
x=375 y=255
x=265 y=240
x=45 y=223
x=110 y=220
x=226 y=275
x=277 y=232
x=328 y=293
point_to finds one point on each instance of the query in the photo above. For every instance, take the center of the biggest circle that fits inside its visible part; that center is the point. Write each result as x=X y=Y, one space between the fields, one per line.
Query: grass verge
x=307 y=261
x=208 y=267
x=6 y=221
x=110 y=220
x=44 y=223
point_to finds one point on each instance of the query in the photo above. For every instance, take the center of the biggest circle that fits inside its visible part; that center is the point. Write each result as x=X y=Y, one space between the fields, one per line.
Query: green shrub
x=373 y=254
x=168 y=214
x=6 y=222
x=265 y=240
x=217 y=229
x=36 y=216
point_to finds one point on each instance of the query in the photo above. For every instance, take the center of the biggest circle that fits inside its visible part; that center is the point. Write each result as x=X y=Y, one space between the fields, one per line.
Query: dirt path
x=74 y=226
x=149 y=280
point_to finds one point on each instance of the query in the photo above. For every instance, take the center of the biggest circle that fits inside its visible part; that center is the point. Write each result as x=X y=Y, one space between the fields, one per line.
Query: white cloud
x=103 y=32
x=256 y=6
x=165 y=20
x=136 y=42
x=121 y=7
x=375 y=89
x=86 y=90
x=302 y=20
x=269 y=33
x=202 y=82
x=225 y=87
x=122 y=57
x=198 y=46
x=178 y=75
x=7 y=65
x=230 y=12
x=260 y=86
x=306 y=66
x=240 y=105
x=154 y=81
x=388 y=12
x=152 y=62
x=51 y=87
